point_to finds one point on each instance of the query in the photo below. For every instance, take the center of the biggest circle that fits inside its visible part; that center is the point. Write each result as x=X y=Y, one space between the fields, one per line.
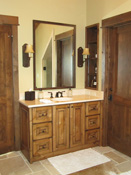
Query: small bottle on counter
x=69 y=92
x=40 y=94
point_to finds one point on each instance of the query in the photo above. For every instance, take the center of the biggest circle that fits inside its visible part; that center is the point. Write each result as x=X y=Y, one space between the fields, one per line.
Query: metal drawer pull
x=91 y=136
x=94 y=108
x=42 y=146
x=92 y=122
x=42 y=114
x=42 y=130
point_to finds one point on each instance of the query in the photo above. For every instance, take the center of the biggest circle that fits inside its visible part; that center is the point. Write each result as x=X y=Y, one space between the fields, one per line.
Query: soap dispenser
x=40 y=94
x=69 y=92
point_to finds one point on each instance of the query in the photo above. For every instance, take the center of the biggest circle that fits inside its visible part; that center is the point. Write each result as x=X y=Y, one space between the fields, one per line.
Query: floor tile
x=103 y=150
x=12 y=154
x=122 y=155
x=3 y=156
x=36 y=166
x=115 y=157
x=104 y=169
x=50 y=167
x=44 y=172
x=123 y=167
x=13 y=166
x=15 y=163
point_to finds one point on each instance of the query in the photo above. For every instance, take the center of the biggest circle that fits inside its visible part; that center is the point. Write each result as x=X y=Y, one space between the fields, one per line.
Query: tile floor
x=15 y=163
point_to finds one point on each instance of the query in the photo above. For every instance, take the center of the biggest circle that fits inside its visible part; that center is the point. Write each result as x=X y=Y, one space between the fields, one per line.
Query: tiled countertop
x=75 y=99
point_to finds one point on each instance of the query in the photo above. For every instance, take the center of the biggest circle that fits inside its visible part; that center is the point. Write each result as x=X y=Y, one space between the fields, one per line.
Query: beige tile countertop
x=51 y=101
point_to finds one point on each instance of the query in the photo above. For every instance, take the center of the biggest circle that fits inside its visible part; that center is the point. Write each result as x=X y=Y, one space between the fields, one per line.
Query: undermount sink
x=62 y=99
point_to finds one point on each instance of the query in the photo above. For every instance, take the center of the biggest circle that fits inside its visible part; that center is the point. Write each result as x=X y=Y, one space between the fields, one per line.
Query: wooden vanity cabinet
x=53 y=130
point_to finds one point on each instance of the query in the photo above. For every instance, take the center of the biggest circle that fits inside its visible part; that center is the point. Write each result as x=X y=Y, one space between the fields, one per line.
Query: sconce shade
x=29 y=49
x=86 y=51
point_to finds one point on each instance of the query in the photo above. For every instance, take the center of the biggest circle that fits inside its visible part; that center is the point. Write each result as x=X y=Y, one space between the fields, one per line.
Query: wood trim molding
x=117 y=20
x=16 y=87
x=11 y=20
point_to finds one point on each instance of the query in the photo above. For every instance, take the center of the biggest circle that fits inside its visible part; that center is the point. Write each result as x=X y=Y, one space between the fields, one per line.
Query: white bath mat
x=77 y=161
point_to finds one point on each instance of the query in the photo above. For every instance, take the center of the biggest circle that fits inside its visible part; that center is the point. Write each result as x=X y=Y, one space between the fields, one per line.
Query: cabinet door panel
x=60 y=127
x=77 y=124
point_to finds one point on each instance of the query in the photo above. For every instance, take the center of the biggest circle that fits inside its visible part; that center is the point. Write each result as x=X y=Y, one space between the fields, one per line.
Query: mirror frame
x=74 y=59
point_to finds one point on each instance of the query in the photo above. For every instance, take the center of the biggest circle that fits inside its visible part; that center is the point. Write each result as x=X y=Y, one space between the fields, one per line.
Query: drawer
x=92 y=136
x=41 y=131
x=93 y=108
x=43 y=114
x=92 y=122
x=41 y=147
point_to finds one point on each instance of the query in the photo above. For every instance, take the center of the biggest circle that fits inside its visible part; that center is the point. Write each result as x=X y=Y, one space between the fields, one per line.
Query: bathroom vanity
x=50 y=129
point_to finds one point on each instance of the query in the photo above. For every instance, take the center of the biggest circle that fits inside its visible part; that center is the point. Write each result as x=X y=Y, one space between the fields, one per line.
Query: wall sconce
x=27 y=54
x=81 y=54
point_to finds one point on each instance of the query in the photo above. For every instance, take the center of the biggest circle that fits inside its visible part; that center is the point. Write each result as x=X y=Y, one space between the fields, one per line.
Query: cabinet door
x=77 y=127
x=60 y=127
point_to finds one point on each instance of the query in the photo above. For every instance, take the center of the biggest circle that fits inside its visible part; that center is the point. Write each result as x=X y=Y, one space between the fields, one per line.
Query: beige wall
x=98 y=10
x=63 y=11
x=78 y=12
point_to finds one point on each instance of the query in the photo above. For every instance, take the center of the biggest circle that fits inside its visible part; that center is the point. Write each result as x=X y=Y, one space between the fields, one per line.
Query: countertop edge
x=94 y=98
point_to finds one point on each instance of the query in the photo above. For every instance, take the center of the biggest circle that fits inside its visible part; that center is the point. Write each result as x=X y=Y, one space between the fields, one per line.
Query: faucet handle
x=51 y=94
x=62 y=93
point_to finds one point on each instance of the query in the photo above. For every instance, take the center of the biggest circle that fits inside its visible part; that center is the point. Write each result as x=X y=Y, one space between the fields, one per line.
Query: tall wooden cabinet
x=53 y=130
x=91 y=65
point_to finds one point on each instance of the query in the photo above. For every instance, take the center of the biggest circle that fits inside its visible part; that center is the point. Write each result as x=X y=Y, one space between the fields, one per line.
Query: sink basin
x=62 y=99
x=45 y=101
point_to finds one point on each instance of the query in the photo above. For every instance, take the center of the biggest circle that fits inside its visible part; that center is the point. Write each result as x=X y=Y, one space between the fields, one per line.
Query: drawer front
x=41 y=131
x=92 y=122
x=42 y=114
x=93 y=108
x=92 y=136
x=41 y=147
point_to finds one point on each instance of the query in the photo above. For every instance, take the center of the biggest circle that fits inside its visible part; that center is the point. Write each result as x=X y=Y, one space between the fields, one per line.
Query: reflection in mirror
x=54 y=58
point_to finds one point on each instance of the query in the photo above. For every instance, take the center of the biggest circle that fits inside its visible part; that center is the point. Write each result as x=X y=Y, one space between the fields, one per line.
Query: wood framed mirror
x=54 y=57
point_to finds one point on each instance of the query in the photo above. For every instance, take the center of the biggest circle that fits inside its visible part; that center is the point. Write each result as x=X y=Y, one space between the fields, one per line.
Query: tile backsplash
x=74 y=92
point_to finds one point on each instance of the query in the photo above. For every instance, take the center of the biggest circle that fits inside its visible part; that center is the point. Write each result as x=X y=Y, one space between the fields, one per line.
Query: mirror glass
x=54 y=57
